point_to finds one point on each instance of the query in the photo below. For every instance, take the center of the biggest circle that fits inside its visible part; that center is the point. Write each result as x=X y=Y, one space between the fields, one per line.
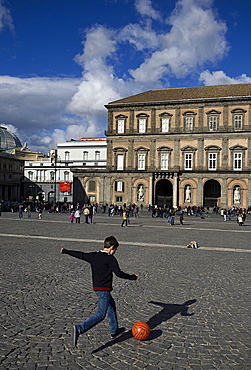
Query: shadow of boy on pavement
x=169 y=310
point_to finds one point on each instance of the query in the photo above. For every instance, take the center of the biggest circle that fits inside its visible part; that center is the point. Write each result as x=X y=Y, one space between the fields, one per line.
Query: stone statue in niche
x=140 y=193
x=188 y=194
x=237 y=195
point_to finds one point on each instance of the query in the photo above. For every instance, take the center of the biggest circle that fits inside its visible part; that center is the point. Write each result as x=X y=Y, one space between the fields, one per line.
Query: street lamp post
x=54 y=163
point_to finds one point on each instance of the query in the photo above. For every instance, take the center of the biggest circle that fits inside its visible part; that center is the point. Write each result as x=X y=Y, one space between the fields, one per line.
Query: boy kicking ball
x=103 y=264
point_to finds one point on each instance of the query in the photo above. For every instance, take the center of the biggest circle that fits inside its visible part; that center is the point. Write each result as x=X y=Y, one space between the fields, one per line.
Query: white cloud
x=145 y=9
x=6 y=20
x=37 y=102
x=196 y=37
x=220 y=78
x=141 y=37
x=34 y=109
x=45 y=111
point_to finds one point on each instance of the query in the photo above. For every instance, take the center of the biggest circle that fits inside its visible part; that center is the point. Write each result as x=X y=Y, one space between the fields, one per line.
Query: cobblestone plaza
x=196 y=301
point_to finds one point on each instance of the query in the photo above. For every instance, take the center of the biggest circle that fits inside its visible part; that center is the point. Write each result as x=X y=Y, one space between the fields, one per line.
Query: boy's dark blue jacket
x=102 y=265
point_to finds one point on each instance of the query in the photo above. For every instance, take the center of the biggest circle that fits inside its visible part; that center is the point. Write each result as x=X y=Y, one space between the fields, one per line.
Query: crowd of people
x=87 y=211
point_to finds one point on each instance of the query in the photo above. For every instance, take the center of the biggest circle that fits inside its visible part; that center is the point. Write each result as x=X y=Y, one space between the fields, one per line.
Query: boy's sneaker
x=118 y=332
x=75 y=335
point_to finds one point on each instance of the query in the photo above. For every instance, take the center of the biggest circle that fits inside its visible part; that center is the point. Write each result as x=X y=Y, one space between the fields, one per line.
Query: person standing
x=86 y=214
x=20 y=211
x=103 y=265
x=29 y=211
x=71 y=217
x=77 y=216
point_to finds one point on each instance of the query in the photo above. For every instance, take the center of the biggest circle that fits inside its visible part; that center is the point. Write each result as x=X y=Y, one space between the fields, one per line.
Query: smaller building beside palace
x=175 y=147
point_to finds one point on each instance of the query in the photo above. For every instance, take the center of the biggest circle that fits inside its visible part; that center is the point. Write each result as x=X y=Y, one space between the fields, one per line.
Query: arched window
x=52 y=176
x=66 y=176
x=97 y=155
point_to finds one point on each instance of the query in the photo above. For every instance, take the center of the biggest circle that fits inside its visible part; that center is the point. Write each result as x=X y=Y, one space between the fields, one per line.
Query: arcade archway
x=164 y=193
x=212 y=194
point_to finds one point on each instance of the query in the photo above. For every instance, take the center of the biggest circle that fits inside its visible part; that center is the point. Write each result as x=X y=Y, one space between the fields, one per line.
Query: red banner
x=65 y=187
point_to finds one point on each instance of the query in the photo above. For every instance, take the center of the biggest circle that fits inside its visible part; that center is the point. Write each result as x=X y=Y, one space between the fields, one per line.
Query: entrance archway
x=164 y=193
x=212 y=194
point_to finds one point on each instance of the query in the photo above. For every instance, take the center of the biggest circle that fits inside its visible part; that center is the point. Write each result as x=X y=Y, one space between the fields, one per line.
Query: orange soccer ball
x=140 y=330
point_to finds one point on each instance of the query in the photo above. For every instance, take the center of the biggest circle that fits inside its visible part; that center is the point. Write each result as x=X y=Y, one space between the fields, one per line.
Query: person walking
x=124 y=217
x=181 y=218
x=103 y=265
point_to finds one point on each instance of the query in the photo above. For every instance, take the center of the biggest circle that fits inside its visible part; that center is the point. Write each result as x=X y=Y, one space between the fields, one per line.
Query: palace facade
x=177 y=146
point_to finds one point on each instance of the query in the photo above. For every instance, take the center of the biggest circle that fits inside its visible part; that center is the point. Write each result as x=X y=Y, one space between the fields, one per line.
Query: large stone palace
x=176 y=146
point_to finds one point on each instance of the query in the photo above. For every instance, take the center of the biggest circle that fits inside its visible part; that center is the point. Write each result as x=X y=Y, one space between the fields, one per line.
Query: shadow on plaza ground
x=168 y=311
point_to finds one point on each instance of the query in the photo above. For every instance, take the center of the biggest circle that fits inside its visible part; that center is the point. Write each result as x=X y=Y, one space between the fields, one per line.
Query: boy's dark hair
x=109 y=241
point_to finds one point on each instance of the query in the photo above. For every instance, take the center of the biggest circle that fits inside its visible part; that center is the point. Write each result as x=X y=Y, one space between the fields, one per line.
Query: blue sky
x=61 y=61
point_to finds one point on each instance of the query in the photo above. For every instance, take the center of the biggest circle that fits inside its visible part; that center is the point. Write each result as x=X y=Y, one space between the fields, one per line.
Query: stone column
x=150 y=197
x=225 y=116
x=249 y=153
x=175 y=190
x=176 y=155
x=200 y=154
x=224 y=163
x=131 y=121
x=110 y=154
x=178 y=123
x=199 y=197
x=201 y=119
x=152 y=154
x=153 y=121
x=130 y=154
x=224 y=193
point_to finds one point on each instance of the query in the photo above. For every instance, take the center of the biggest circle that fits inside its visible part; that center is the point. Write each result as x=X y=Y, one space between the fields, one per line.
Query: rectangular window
x=67 y=156
x=92 y=199
x=237 y=161
x=238 y=122
x=91 y=185
x=189 y=123
x=52 y=176
x=142 y=125
x=85 y=156
x=213 y=123
x=119 y=199
x=120 y=162
x=212 y=161
x=119 y=186
x=164 y=161
x=188 y=161
x=121 y=126
x=165 y=124
x=141 y=161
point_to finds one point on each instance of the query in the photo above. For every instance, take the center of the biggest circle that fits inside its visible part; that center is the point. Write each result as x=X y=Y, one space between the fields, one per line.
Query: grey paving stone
x=197 y=302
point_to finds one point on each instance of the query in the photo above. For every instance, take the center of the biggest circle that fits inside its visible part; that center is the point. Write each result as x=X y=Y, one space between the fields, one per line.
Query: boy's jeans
x=106 y=304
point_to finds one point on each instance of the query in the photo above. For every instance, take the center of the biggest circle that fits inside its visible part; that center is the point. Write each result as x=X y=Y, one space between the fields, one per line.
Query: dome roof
x=8 y=140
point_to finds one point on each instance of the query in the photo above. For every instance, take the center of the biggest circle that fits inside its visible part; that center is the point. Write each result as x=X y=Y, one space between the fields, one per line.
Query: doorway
x=164 y=193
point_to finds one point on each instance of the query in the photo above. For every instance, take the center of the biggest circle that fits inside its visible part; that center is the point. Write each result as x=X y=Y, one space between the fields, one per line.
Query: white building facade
x=49 y=179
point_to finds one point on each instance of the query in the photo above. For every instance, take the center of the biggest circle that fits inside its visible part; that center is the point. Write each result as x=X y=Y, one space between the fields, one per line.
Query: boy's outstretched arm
x=76 y=254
